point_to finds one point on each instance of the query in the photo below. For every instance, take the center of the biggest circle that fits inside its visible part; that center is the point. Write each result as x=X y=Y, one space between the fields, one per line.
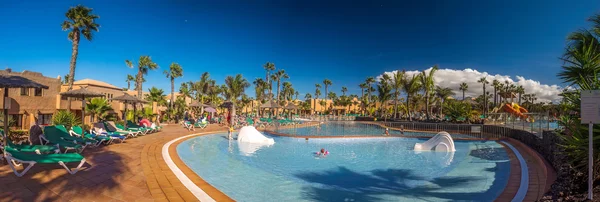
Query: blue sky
x=345 y=41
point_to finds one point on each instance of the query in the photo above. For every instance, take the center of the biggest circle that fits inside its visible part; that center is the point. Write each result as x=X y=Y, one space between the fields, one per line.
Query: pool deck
x=136 y=171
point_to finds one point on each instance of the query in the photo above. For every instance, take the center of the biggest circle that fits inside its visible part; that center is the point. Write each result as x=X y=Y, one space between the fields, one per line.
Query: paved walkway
x=113 y=173
x=136 y=171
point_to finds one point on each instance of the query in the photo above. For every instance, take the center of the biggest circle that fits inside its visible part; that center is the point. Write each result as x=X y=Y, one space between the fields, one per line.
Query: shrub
x=66 y=118
x=457 y=110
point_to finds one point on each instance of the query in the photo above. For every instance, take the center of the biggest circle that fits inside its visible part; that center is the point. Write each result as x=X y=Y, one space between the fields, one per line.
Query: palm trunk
x=442 y=108
x=396 y=105
x=427 y=104
x=128 y=85
x=519 y=98
x=278 y=82
x=325 y=99
x=73 y=63
x=408 y=107
x=362 y=95
x=172 y=93
x=484 y=101
x=139 y=84
x=463 y=95
x=495 y=97
x=201 y=102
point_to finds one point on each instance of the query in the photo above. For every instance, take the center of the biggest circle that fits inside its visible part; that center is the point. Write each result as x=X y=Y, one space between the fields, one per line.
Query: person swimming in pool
x=322 y=153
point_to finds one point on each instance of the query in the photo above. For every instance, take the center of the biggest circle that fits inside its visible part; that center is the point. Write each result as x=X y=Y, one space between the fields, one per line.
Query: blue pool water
x=357 y=169
x=352 y=129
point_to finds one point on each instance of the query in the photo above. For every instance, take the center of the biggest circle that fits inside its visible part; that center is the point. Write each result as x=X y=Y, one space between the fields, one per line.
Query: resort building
x=108 y=90
x=28 y=106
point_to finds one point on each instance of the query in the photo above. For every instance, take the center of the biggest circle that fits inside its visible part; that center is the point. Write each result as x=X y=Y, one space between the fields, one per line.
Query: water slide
x=250 y=140
x=515 y=109
x=441 y=142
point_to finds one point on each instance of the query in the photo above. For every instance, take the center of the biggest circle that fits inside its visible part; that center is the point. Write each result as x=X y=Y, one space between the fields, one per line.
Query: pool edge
x=170 y=151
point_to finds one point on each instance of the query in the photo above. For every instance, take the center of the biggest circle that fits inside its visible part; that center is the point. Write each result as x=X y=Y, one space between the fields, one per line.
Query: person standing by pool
x=387 y=132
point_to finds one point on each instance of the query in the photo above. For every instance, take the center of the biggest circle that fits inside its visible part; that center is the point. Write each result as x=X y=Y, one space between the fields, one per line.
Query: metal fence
x=376 y=128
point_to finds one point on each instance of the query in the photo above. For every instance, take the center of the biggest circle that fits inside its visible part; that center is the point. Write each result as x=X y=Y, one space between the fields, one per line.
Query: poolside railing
x=377 y=128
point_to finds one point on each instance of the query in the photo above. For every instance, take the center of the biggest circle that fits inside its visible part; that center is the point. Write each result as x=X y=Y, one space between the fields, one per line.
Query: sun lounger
x=133 y=125
x=16 y=158
x=52 y=135
x=139 y=131
x=100 y=129
x=38 y=149
x=111 y=127
x=78 y=131
x=66 y=135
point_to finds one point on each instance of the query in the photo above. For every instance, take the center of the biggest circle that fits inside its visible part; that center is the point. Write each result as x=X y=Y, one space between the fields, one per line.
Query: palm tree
x=384 y=90
x=363 y=86
x=235 y=87
x=520 y=90
x=344 y=90
x=411 y=86
x=145 y=64
x=326 y=83
x=317 y=94
x=277 y=76
x=65 y=79
x=496 y=85
x=80 y=21
x=428 y=86
x=203 y=88
x=332 y=96
x=323 y=103
x=269 y=66
x=369 y=81
x=184 y=90
x=397 y=81
x=443 y=93
x=155 y=95
x=463 y=87
x=484 y=81
x=97 y=107
x=259 y=87
x=175 y=71
x=129 y=79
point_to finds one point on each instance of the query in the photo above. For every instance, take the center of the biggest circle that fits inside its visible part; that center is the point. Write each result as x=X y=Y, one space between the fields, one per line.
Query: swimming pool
x=352 y=129
x=357 y=169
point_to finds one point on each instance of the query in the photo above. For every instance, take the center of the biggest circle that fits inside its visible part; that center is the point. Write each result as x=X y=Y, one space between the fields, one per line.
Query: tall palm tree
x=317 y=94
x=370 y=80
x=129 y=79
x=428 y=85
x=496 y=85
x=411 y=86
x=203 y=87
x=80 y=21
x=344 y=90
x=520 y=90
x=278 y=76
x=326 y=83
x=332 y=96
x=363 y=86
x=484 y=81
x=269 y=66
x=175 y=71
x=144 y=65
x=397 y=82
x=235 y=87
x=443 y=93
x=463 y=87
x=384 y=90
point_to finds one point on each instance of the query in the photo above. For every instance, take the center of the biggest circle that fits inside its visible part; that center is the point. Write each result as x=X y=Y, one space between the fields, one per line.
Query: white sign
x=590 y=106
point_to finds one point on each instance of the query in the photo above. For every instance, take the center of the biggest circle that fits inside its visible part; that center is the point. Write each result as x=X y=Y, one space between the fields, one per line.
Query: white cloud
x=453 y=78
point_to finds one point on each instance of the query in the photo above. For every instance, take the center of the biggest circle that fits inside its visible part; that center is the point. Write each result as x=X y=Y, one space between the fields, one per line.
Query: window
x=17 y=120
x=25 y=91
x=38 y=92
x=45 y=119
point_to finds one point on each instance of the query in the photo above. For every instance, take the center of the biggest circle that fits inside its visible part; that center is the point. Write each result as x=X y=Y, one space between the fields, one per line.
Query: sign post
x=590 y=113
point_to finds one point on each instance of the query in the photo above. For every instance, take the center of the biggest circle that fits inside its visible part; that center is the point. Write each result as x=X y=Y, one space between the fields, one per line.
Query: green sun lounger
x=141 y=128
x=39 y=149
x=52 y=136
x=16 y=158
x=77 y=130
x=66 y=135
x=140 y=131
x=111 y=127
